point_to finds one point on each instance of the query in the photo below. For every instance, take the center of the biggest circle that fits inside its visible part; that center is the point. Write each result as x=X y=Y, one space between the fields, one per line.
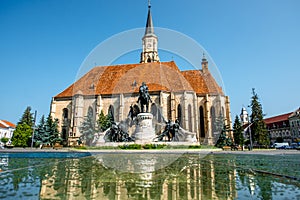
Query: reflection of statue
x=144 y=97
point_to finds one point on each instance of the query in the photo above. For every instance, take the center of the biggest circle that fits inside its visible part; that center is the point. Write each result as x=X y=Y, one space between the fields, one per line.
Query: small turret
x=204 y=64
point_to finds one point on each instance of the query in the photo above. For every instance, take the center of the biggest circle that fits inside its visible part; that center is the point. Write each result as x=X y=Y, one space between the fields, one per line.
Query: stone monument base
x=144 y=132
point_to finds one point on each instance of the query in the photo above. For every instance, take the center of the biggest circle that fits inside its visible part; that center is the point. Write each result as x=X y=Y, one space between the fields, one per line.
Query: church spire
x=149 y=24
x=150 y=53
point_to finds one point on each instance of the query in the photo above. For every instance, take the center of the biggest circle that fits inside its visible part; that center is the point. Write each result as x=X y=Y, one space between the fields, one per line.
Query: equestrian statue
x=144 y=97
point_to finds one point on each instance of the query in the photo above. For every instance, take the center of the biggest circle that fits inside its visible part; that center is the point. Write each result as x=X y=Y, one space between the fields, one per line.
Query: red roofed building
x=279 y=128
x=6 y=129
x=193 y=97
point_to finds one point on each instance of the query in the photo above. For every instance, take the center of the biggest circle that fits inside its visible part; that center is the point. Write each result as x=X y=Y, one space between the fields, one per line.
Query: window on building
x=65 y=113
x=213 y=119
x=111 y=113
x=90 y=112
x=223 y=112
x=179 y=115
x=201 y=116
x=64 y=134
x=154 y=110
x=190 y=118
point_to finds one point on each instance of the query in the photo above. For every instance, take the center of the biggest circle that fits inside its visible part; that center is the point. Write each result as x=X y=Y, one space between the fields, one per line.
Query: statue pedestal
x=144 y=132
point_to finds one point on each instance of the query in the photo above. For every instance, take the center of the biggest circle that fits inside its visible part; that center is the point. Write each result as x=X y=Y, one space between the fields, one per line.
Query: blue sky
x=254 y=43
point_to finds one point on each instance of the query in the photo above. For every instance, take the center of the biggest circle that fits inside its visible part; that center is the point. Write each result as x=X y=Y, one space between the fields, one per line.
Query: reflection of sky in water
x=44 y=175
x=277 y=190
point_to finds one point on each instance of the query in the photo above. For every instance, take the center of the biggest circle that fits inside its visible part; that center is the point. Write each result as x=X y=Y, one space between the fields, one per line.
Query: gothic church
x=192 y=96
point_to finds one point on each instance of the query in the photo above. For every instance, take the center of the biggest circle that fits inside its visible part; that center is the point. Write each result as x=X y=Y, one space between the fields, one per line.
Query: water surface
x=148 y=176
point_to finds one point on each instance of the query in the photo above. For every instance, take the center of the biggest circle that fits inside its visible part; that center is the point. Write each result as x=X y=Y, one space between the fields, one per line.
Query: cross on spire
x=149 y=4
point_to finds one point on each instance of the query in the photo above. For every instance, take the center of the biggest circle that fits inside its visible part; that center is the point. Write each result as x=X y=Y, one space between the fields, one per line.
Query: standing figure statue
x=175 y=129
x=144 y=97
x=166 y=132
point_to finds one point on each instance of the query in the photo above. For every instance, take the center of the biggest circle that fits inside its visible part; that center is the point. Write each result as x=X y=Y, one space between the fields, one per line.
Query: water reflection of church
x=193 y=96
x=186 y=178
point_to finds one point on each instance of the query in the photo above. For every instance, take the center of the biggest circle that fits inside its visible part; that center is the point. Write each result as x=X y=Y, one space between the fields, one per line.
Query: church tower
x=244 y=116
x=149 y=53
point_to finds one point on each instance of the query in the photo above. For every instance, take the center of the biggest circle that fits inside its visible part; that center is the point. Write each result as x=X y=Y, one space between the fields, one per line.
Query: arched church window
x=64 y=133
x=213 y=119
x=179 y=117
x=201 y=115
x=223 y=112
x=153 y=109
x=111 y=113
x=158 y=114
x=90 y=112
x=190 y=117
x=65 y=113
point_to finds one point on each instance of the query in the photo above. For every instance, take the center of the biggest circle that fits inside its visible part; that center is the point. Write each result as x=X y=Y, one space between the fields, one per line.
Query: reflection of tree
x=222 y=176
x=18 y=176
x=265 y=186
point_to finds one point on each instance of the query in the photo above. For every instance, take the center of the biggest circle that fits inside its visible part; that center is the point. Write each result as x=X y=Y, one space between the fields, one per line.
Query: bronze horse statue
x=144 y=97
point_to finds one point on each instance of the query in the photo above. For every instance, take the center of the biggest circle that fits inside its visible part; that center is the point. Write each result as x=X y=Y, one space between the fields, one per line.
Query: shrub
x=4 y=140
x=154 y=146
x=131 y=146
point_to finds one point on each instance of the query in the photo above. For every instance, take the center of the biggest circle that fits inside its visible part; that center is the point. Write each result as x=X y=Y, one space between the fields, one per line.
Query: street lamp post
x=33 y=129
x=250 y=135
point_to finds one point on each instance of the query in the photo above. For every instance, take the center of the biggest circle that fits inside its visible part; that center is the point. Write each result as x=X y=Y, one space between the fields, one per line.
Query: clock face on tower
x=149 y=45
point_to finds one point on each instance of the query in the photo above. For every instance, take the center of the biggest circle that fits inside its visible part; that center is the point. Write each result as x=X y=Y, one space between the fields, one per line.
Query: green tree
x=88 y=128
x=258 y=128
x=223 y=139
x=22 y=135
x=23 y=132
x=39 y=135
x=27 y=117
x=51 y=130
x=104 y=121
x=238 y=132
x=47 y=131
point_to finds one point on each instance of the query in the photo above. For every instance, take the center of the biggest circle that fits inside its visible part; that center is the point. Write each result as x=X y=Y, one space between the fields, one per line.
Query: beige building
x=193 y=96
x=294 y=120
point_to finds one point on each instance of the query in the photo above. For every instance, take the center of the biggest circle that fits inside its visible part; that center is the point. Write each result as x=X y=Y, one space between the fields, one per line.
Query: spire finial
x=203 y=57
x=149 y=4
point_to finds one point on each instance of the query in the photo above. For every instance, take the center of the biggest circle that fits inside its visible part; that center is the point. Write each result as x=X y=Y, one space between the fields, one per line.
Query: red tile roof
x=7 y=124
x=202 y=83
x=2 y=125
x=278 y=118
x=163 y=76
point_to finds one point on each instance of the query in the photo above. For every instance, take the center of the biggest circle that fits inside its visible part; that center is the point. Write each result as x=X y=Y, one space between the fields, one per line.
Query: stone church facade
x=193 y=96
